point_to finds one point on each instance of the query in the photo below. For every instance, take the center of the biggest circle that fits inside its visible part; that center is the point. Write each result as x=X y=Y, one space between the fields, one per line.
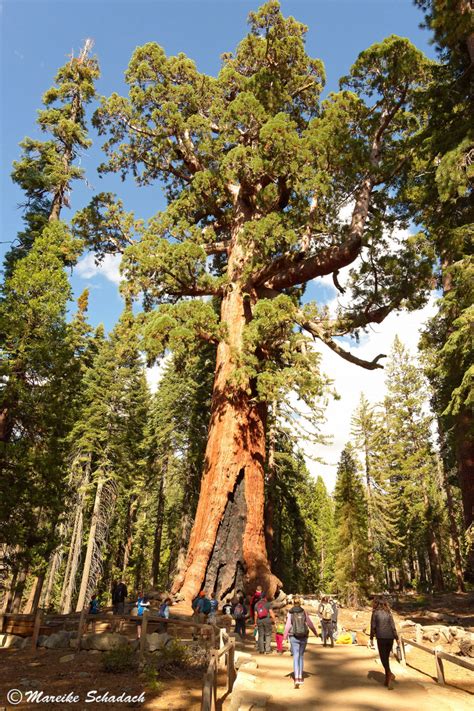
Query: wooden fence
x=209 y=686
x=439 y=655
x=33 y=624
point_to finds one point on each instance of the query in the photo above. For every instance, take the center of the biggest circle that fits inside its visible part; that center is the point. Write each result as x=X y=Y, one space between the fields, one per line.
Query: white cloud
x=351 y=380
x=108 y=268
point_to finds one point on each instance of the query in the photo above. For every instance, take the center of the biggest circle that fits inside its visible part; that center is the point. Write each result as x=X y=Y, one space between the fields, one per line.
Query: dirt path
x=351 y=679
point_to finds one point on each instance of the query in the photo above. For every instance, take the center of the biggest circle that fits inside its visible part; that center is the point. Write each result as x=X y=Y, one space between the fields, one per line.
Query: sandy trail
x=351 y=679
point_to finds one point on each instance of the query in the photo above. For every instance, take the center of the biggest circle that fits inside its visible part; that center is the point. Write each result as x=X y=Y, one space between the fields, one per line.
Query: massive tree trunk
x=227 y=544
x=155 y=567
x=270 y=499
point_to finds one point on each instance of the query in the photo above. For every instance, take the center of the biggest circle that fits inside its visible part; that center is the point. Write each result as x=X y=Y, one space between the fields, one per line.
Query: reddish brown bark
x=234 y=463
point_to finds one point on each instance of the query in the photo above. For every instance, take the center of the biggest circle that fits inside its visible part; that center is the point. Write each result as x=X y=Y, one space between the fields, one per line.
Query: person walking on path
x=143 y=605
x=298 y=624
x=119 y=593
x=326 y=612
x=335 y=614
x=240 y=613
x=382 y=627
x=214 y=604
x=279 y=632
x=264 y=617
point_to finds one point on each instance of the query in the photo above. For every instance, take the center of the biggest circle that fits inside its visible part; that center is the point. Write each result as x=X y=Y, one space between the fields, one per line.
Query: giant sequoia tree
x=256 y=170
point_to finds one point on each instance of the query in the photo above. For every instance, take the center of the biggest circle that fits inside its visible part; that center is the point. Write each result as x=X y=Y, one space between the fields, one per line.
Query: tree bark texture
x=228 y=533
x=81 y=601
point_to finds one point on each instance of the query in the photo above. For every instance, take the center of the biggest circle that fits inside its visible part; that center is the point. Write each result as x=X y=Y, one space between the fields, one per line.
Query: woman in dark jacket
x=383 y=628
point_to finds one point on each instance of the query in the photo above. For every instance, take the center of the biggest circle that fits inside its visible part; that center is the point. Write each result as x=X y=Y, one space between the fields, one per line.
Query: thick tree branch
x=317 y=332
x=217 y=247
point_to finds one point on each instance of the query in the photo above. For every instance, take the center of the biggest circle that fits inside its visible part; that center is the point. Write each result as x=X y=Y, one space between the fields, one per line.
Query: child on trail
x=326 y=612
x=382 y=626
x=264 y=617
x=143 y=605
x=279 y=632
x=214 y=604
x=298 y=624
x=94 y=608
x=164 y=612
x=240 y=613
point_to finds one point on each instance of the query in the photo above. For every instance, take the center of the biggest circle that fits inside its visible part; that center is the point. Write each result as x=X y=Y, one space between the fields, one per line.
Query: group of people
x=142 y=604
x=295 y=625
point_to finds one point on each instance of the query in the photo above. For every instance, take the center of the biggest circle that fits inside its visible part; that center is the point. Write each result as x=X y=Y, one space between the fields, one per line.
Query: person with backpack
x=164 y=613
x=119 y=593
x=214 y=604
x=264 y=617
x=240 y=614
x=143 y=605
x=298 y=624
x=325 y=613
x=382 y=626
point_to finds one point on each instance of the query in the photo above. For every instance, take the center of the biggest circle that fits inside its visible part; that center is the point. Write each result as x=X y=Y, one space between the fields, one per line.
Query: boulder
x=244 y=699
x=104 y=641
x=12 y=641
x=466 y=645
x=58 y=640
x=245 y=680
x=242 y=658
x=66 y=658
x=437 y=633
x=404 y=624
x=249 y=666
x=434 y=615
x=157 y=640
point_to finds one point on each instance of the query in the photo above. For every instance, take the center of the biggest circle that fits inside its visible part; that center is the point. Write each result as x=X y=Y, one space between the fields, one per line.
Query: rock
x=248 y=666
x=437 y=633
x=407 y=623
x=73 y=642
x=466 y=645
x=58 y=640
x=244 y=680
x=29 y=683
x=12 y=641
x=241 y=658
x=242 y=699
x=434 y=615
x=157 y=640
x=104 y=641
x=457 y=632
x=66 y=658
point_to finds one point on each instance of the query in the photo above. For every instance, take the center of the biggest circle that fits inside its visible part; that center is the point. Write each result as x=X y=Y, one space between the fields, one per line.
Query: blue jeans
x=297 y=648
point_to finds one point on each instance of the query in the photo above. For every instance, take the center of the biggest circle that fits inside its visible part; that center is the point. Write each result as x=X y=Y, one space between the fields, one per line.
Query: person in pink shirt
x=298 y=624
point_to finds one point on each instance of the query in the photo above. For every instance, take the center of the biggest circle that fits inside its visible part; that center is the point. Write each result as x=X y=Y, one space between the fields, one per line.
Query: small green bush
x=174 y=654
x=150 y=675
x=120 y=660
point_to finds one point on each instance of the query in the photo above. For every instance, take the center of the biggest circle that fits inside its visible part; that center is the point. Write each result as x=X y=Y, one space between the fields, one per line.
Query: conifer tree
x=255 y=172
x=412 y=465
x=382 y=509
x=350 y=515
x=441 y=197
x=107 y=452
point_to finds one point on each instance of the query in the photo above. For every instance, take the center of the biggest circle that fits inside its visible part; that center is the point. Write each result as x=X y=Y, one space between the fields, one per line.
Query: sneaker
x=301 y=681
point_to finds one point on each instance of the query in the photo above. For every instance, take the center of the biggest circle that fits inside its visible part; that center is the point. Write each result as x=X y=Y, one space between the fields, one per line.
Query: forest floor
x=347 y=677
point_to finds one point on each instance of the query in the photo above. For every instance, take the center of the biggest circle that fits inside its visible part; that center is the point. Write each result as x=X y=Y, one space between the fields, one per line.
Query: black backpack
x=299 y=627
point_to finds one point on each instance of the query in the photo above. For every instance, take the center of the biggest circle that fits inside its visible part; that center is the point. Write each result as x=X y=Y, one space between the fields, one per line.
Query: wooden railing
x=439 y=655
x=147 y=621
x=209 y=686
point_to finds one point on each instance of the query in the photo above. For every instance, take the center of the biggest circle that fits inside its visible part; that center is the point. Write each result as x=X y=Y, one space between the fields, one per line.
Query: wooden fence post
x=143 y=638
x=231 y=668
x=80 y=629
x=36 y=629
x=403 y=660
x=439 y=667
x=419 y=634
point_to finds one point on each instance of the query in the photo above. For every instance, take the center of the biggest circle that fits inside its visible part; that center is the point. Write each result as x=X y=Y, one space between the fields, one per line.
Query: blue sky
x=37 y=37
